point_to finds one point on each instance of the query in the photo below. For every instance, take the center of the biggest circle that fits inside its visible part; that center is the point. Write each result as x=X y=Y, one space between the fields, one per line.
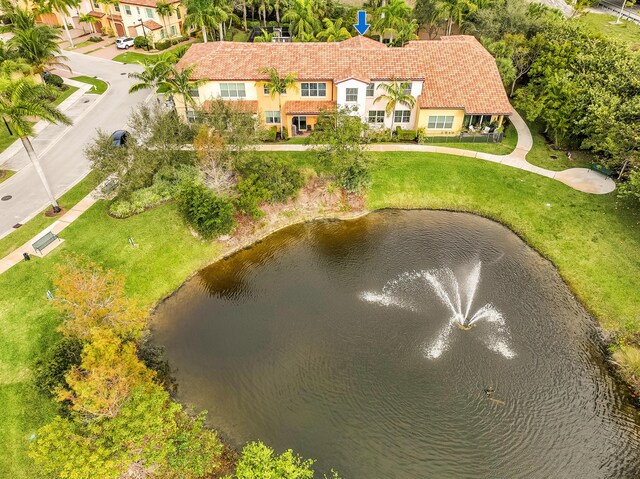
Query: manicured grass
x=626 y=32
x=39 y=222
x=82 y=44
x=6 y=139
x=542 y=154
x=6 y=174
x=134 y=57
x=66 y=93
x=99 y=86
x=593 y=240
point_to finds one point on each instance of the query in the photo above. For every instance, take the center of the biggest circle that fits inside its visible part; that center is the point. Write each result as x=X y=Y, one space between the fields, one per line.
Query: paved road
x=62 y=159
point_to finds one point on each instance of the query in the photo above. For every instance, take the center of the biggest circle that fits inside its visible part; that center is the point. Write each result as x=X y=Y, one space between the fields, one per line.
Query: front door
x=119 y=29
x=300 y=123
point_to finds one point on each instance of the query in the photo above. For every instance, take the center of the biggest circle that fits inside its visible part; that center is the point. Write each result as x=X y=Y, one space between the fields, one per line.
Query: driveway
x=61 y=148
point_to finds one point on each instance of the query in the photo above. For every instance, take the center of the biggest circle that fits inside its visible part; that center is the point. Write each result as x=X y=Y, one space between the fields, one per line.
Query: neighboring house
x=127 y=18
x=454 y=80
x=156 y=28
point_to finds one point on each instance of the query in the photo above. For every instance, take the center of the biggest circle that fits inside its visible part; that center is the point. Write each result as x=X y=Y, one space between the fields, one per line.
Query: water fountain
x=407 y=292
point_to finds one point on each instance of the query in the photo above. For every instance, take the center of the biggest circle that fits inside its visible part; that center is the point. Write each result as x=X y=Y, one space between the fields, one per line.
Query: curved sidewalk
x=581 y=179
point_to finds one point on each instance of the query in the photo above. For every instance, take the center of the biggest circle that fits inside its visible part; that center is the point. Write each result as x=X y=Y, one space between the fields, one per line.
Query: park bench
x=44 y=241
x=600 y=169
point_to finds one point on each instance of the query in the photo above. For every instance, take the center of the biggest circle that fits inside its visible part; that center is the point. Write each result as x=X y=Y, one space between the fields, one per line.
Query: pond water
x=404 y=344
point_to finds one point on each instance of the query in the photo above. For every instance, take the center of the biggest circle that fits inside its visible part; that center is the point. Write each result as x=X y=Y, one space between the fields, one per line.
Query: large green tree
x=392 y=17
x=178 y=82
x=334 y=31
x=303 y=18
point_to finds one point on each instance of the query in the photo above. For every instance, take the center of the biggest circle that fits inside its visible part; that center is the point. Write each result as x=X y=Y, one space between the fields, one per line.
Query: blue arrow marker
x=362 y=26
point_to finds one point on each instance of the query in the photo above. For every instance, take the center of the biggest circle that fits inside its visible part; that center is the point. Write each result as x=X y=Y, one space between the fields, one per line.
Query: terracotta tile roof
x=115 y=17
x=246 y=106
x=146 y=3
x=151 y=25
x=95 y=14
x=457 y=71
x=307 y=107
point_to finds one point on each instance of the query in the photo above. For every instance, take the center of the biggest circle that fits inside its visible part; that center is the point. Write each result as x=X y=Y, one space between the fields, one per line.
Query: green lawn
x=66 y=93
x=99 y=86
x=594 y=242
x=134 y=57
x=5 y=175
x=39 y=222
x=626 y=32
x=82 y=44
x=544 y=156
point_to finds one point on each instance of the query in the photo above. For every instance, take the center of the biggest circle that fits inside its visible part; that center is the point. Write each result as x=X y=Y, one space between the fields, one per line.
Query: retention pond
x=404 y=344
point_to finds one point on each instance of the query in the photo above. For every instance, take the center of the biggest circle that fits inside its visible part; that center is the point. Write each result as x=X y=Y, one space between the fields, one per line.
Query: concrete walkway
x=581 y=179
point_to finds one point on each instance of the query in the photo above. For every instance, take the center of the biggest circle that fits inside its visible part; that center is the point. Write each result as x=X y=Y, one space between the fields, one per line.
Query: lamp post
x=144 y=33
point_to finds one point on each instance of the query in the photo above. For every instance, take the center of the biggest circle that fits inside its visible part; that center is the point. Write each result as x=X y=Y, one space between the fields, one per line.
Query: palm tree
x=178 y=82
x=89 y=20
x=278 y=85
x=457 y=10
x=264 y=8
x=333 y=31
x=154 y=74
x=20 y=101
x=392 y=17
x=265 y=37
x=62 y=7
x=407 y=32
x=37 y=46
x=165 y=10
x=303 y=17
x=395 y=93
x=199 y=15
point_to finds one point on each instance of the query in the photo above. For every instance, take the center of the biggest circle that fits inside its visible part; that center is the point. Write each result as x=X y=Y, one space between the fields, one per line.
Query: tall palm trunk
x=244 y=14
x=220 y=27
x=393 y=115
x=186 y=107
x=449 y=24
x=280 y=111
x=36 y=164
x=278 y=15
x=66 y=29
x=204 y=34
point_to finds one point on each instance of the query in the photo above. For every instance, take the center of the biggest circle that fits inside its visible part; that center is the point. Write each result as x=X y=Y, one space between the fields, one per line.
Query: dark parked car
x=120 y=137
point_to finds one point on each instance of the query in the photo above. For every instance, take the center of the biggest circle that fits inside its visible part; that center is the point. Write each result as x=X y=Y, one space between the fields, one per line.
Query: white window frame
x=371 y=89
x=232 y=90
x=402 y=116
x=351 y=92
x=407 y=90
x=174 y=31
x=194 y=92
x=377 y=116
x=127 y=9
x=191 y=116
x=149 y=12
x=310 y=86
x=272 y=117
x=440 y=122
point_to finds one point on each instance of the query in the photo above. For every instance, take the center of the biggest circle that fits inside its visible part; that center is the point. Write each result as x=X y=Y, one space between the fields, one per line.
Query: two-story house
x=454 y=81
x=138 y=17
